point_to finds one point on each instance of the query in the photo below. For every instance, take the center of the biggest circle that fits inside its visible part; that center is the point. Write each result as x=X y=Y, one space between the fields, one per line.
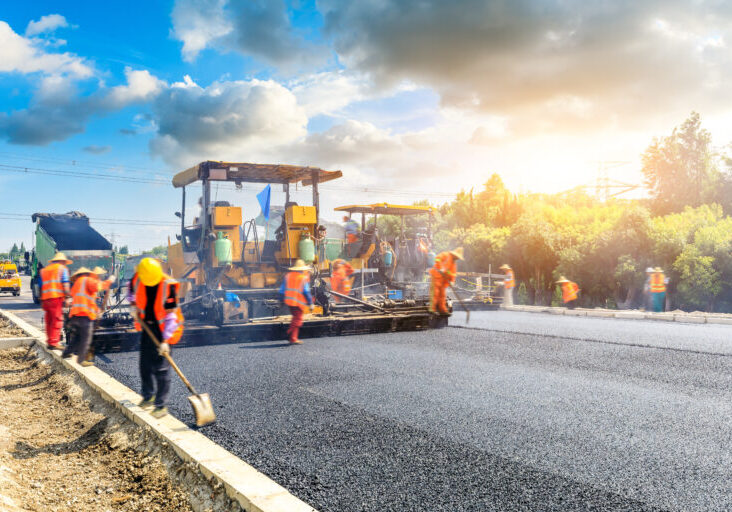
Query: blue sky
x=410 y=101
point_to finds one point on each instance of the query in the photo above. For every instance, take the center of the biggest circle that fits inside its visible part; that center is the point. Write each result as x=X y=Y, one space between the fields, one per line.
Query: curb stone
x=254 y=491
x=705 y=318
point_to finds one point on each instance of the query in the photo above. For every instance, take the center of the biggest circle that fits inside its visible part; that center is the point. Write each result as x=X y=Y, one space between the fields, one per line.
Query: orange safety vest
x=84 y=297
x=509 y=282
x=51 y=285
x=339 y=280
x=444 y=264
x=658 y=283
x=294 y=286
x=569 y=291
x=160 y=312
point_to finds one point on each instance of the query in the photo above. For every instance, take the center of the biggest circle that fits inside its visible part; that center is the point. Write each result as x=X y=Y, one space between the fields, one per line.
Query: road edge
x=705 y=318
x=254 y=491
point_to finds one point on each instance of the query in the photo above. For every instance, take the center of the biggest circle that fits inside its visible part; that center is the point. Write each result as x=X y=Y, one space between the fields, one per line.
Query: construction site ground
x=58 y=452
x=513 y=411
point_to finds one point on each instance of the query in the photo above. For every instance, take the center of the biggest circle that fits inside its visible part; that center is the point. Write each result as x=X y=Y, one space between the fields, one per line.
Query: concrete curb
x=15 y=342
x=254 y=491
x=626 y=314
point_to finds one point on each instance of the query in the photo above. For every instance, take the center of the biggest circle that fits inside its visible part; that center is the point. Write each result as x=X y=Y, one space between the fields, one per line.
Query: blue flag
x=263 y=198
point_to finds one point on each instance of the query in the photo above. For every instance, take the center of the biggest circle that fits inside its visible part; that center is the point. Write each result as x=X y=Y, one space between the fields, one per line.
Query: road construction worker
x=55 y=292
x=155 y=299
x=352 y=229
x=339 y=279
x=509 y=283
x=443 y=274
x=658 y=290
x=84 y=311
x=295 y=291
x=570 y=292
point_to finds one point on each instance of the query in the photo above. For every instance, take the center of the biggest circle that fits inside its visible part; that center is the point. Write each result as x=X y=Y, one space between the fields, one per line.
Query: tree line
x=684 y=226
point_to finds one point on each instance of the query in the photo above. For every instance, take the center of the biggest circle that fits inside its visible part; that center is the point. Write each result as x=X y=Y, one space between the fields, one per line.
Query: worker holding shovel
x=156 y=300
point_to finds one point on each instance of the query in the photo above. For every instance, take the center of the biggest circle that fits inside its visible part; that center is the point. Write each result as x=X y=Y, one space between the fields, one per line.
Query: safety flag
x=263 y=197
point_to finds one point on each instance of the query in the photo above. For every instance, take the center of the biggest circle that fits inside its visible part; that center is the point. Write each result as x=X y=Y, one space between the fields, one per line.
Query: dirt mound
x=57 y=453
x=9 y=330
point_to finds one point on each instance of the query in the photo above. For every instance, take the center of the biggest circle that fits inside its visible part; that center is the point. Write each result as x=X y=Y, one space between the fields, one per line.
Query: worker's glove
x=112 y=279
x=67 y=302
x=164 y=349
x=170 y=325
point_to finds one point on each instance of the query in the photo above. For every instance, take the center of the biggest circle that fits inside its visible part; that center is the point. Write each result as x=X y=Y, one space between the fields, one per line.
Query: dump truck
x=230 y=276
x=72 y=234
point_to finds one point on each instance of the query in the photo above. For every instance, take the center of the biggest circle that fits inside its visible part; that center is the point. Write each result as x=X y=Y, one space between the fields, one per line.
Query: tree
x=680 y=169
x=124 y=250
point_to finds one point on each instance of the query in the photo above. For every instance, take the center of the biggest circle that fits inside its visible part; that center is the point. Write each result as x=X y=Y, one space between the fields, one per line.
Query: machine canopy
x=387 y=209
x=252 y=173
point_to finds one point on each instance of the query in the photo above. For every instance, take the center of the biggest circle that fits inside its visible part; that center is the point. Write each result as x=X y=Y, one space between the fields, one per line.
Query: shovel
x=467 y=311
x=201 y=402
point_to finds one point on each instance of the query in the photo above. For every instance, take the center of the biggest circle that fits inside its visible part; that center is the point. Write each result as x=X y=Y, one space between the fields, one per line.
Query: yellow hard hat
x=150 y=272
x=81 y=270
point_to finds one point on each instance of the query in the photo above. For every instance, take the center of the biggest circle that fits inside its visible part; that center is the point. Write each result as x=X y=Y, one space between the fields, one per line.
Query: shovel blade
x=202 y=409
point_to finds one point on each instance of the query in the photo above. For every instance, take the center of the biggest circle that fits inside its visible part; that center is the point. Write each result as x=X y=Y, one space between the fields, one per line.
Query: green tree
x=680 y=169
x=124 y=250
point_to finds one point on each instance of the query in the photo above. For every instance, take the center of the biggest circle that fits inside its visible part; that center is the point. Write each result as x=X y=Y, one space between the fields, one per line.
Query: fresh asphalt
x=518 y=411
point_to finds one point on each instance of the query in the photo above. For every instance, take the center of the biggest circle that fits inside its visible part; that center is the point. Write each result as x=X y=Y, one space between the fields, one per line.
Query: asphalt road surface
x=519 y=411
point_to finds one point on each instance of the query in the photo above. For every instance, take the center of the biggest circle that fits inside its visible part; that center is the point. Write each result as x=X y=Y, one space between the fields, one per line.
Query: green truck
x=70 y=233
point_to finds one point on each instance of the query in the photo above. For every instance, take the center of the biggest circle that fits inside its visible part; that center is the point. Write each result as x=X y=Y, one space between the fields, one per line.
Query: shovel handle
x=467 y=311
x=166 y=356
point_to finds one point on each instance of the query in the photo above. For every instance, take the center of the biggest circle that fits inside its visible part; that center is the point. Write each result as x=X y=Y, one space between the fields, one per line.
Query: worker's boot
x=159 y=412
x=147 y=403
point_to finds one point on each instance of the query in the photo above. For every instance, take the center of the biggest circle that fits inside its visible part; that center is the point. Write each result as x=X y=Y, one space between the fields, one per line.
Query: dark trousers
x=154 y=372
x=294 y=331
x=571 y=304
x=82 y=331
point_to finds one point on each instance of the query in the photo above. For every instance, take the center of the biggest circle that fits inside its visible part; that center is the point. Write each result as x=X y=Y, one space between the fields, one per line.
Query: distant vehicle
x=71 y=233
x=9 y=278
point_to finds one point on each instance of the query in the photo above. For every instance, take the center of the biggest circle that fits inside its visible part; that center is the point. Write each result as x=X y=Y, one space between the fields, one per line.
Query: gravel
x=474 y=419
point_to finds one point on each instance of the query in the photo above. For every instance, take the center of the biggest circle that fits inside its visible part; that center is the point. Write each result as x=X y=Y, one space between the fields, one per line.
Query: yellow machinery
x=230 y=278
x=398 y=261
x=9 y=278
x=221 y=256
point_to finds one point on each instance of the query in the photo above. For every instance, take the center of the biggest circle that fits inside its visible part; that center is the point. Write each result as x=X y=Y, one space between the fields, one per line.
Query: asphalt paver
x=473 y=419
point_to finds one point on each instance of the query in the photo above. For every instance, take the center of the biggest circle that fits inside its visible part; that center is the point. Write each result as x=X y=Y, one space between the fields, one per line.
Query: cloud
x=545 y=66
x=48 y=23
x=58 y=111
x=255 y=28
x=197 y=23
x=20 y=55
x=97 y=150
x=226 y=120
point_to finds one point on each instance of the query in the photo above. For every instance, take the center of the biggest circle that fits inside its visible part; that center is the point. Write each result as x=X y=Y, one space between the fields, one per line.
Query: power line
x=99 y=220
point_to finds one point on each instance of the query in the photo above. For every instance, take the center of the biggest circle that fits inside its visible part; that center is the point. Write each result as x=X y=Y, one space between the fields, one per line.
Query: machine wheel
x=35 y=292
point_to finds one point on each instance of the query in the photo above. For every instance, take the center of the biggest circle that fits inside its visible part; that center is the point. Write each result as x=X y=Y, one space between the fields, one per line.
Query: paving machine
x=396 y=264
x=230 y=274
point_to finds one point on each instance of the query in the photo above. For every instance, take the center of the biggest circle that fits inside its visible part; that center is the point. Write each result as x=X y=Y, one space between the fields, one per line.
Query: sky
x=101 y=103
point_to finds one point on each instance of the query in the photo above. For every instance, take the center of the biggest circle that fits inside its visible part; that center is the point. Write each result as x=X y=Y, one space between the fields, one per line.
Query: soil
x=9 y=330
x=60 y=452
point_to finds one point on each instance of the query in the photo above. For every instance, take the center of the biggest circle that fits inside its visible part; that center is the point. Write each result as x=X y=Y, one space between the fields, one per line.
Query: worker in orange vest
x=339 y=278
x=84 y=311
x=295 y=291
x=569 y=292
x=509 y=283
x=658 y=290
x=443 y=274
x=156 y=301
x=54 y=293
